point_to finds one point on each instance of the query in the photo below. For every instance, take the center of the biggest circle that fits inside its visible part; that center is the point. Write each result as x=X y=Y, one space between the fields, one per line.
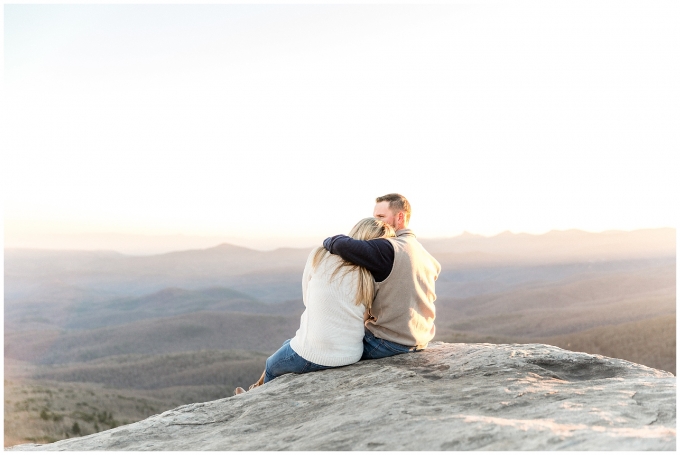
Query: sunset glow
x=286 y=121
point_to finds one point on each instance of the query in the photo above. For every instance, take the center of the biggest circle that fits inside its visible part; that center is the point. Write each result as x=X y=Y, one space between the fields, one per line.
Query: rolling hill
x=189 y=326
x=183 y=333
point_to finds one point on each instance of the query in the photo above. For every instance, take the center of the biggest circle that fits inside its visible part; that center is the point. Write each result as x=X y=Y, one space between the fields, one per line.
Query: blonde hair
x=366 y=229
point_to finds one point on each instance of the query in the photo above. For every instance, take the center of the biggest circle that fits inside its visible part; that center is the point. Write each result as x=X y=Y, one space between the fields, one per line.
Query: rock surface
x=448 y=397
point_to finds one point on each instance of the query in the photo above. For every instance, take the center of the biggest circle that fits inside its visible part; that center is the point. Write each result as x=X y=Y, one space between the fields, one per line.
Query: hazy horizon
x=146 y=244
x=278 y=121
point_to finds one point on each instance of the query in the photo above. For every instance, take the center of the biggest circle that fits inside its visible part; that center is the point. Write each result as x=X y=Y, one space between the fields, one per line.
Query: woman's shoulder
x=332 y=268
x=330 y=262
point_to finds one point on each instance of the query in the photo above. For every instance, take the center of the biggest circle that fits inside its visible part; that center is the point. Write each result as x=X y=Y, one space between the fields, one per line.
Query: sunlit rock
x=448 y=397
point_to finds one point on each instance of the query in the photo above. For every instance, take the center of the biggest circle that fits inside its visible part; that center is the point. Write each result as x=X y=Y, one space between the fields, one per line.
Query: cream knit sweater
x=331 y=329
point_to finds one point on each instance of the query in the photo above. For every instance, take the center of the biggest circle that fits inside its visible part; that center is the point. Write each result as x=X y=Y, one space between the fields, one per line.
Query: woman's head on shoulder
x=371 y=228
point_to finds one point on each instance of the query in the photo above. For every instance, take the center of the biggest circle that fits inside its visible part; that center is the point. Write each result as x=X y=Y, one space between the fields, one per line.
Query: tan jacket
x=403 y=309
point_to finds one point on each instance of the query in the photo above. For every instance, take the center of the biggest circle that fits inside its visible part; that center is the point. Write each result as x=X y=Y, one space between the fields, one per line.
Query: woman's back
x=331 y=332
x=332 y=327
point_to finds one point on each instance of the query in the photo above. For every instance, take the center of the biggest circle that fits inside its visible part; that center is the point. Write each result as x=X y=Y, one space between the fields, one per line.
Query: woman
x=336 y=294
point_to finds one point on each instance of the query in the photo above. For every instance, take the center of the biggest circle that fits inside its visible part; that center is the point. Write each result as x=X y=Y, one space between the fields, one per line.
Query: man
x=401 y=318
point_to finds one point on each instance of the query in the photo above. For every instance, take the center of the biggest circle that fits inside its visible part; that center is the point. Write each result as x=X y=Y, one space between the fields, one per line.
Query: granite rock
x=447 y=397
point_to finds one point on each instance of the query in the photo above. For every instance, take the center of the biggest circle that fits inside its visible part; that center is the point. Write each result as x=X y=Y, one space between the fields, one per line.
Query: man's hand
x=328 y=243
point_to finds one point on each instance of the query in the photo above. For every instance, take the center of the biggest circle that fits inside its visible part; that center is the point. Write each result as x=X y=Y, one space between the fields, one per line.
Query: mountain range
x=209 y=317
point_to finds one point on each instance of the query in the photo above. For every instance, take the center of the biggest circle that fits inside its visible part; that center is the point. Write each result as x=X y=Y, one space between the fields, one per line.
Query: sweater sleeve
x=306 y=276
x=376 y=255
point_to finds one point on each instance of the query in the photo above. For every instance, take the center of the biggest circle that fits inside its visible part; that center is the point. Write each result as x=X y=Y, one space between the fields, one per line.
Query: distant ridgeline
x=96 y=333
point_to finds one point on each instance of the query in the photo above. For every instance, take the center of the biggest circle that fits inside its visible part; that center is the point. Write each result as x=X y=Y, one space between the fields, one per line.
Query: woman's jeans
x=285 y=360
x=377 y=348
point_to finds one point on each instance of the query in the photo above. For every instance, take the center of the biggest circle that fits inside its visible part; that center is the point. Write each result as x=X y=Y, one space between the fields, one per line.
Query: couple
x=367 y=295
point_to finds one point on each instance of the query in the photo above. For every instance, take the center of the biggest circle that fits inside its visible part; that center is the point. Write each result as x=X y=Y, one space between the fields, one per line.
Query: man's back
x=403 y=309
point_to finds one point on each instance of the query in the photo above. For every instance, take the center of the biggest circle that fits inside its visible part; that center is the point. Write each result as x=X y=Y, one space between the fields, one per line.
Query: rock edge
x=447 y=397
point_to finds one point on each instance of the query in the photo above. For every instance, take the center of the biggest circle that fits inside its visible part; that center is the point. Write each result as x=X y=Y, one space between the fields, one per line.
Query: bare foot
x=259 y=382
x=239 y=390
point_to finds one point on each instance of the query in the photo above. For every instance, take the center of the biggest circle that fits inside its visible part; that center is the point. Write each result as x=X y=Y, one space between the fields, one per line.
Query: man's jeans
x=285 y=360
x=377 y=348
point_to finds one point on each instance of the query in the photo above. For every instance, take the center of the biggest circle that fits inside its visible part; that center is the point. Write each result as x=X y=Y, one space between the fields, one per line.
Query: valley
x=97 y=339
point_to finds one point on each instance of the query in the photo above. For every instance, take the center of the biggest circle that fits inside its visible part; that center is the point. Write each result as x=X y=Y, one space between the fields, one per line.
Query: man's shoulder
x=405 y=233
x=409 y=244
x=406 y=237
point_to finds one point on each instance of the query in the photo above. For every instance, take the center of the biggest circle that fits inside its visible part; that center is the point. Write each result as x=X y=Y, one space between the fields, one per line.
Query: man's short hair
x=398 y=203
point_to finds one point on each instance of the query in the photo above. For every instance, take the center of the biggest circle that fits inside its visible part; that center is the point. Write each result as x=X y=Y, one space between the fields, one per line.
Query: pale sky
x=288 y=120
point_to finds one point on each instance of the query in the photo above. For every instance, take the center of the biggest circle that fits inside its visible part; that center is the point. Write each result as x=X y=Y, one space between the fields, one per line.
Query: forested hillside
x=96 y=339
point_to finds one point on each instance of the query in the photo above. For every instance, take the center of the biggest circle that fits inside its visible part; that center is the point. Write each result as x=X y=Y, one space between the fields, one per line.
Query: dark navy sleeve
x=376 y=255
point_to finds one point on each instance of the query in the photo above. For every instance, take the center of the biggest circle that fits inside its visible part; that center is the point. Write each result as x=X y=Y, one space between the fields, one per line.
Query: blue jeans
x=285 y=360
x=377 y=348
